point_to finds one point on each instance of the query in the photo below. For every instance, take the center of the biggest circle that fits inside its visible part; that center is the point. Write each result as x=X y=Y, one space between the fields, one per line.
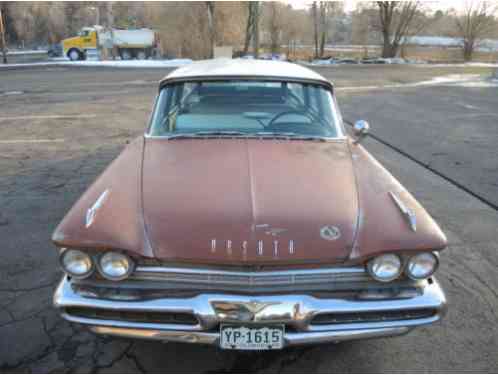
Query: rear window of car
x=246 y=107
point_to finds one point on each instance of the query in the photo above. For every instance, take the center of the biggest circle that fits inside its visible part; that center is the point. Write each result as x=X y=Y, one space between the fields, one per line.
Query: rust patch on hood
x=382 y=225
x=250 y=201
x=119 y=221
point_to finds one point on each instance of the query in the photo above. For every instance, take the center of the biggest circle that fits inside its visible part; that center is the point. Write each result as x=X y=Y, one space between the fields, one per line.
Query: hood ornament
x=91 y=213
x=330 y=233
x=407 y=212
x=251 y=311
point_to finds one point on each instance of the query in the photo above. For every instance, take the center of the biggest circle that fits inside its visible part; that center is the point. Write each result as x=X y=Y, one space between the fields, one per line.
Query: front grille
x=149 y=281
x=371 y=316
x=134 y=316
x=210 y=277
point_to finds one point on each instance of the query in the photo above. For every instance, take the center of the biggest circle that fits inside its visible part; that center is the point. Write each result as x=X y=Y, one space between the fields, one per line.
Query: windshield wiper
x=311 y=138
x=181 y=136
x=219 y=132
x=274 y=134
x=290 y=135
x=203 y=134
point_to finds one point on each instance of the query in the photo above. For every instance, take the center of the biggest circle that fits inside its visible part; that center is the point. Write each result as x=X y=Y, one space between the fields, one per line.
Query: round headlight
x=115 y=266
x=421 y=266
x=385 y=267
x=76 y=263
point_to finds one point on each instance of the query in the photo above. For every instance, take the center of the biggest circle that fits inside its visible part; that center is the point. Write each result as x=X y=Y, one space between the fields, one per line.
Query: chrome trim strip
x=407 y=212
x=127 y=324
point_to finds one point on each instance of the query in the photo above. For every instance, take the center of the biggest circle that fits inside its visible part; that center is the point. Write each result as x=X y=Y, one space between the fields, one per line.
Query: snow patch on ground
x=174 y=63
x=6 y=93
x=26 y=52
x=451 y=78
x=135 y=63
x=479 y=84
x=461 y=80
x=462 y=65
x=414 y=63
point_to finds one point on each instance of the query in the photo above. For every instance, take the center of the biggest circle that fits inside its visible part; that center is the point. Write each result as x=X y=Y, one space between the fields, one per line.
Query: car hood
x=249 y=201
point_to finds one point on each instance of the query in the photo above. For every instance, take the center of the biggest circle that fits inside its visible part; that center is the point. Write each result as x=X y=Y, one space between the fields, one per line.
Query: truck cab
x=75 y=48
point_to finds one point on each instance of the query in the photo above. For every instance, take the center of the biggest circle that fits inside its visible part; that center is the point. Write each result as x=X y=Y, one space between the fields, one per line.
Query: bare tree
x=294 y=27
x=323 y=26
x=476 y=22
x=314 y=11
x=327 y=9
x=275 y=23
x=211 y=26
x=2 y=36
x=109 y=15
x=257 y=13
x=252 y=9
x=397 y=21
x=249 y=28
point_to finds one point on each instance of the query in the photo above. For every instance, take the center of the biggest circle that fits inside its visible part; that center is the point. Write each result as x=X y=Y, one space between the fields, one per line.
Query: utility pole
x=2 y=36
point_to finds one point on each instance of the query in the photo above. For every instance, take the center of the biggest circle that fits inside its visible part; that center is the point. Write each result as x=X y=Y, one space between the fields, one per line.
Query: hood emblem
x=91 y=213
x=330 y=233
x=230 y=247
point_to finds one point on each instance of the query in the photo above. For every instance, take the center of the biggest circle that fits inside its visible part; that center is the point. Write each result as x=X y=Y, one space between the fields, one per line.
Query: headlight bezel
x=65 y=252
x=371 y=263
x=407 y=272
x=131 y=265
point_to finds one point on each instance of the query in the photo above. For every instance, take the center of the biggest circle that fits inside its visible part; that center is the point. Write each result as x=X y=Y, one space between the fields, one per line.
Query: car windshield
x=245 y=108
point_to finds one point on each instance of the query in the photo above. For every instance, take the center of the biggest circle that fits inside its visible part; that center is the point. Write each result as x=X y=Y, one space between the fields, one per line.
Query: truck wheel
x=125 y=54
x=141 y=55
x=74 y=55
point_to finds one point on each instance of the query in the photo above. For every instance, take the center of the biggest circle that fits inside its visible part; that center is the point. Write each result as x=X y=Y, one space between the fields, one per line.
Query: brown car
x=246 y=217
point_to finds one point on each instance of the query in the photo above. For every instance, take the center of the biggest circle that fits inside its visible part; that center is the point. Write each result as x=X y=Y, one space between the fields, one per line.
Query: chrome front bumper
x=296 y=311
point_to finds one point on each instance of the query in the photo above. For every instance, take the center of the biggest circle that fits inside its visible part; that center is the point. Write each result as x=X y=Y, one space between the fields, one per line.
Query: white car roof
x=245 y=68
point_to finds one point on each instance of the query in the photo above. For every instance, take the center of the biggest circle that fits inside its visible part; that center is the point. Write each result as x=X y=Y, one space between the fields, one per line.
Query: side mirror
x=360 y=130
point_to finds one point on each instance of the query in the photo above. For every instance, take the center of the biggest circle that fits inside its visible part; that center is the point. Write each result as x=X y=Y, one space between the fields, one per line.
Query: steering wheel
x=286 y=113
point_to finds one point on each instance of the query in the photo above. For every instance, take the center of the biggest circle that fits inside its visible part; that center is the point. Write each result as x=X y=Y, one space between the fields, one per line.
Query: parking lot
x=60 y=126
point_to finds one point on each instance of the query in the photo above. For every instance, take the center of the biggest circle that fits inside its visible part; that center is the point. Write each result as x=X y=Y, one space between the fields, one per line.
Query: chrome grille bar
x=252 y=278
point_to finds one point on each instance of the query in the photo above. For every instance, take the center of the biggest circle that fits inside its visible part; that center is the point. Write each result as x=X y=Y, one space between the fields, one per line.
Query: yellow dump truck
x=129 y=44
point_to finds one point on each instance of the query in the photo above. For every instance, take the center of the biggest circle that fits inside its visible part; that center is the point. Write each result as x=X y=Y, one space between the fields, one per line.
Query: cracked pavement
x=40 y=181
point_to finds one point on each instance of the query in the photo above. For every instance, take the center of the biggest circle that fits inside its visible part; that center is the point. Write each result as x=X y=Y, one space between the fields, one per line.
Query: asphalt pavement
x=60 y=127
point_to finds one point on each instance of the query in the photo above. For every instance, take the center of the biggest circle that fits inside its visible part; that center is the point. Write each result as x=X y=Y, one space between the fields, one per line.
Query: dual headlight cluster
x=111 y=265
x=389 y=267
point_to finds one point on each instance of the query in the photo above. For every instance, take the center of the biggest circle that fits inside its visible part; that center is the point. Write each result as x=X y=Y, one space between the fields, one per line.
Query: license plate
x=251 y=338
